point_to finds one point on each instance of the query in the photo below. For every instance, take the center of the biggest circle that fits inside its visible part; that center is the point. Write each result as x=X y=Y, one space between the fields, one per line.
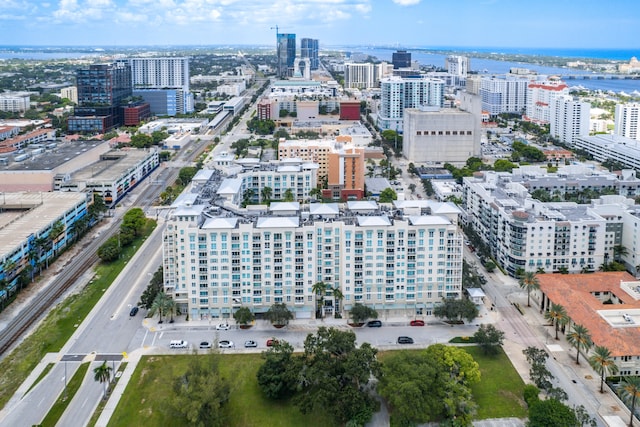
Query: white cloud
x=406 y=2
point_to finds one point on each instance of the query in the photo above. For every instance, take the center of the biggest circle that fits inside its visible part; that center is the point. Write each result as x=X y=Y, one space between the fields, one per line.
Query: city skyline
x=407 y=23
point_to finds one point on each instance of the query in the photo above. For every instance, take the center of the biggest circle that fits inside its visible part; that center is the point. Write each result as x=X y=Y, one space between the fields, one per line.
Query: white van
x=178 y=344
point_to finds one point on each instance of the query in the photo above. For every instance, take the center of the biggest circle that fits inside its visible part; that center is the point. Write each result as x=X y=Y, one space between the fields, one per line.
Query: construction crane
x=275 y=28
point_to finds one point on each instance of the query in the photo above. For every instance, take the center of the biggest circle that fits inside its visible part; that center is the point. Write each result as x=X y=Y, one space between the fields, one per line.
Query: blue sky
x=613 y=24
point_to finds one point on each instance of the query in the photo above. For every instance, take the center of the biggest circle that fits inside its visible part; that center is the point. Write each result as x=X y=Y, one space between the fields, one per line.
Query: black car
x=405 y=340
x=374 y=323
x=134 y=311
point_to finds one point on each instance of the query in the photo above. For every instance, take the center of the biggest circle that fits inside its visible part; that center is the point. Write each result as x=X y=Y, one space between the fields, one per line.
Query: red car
x=271 y=342
x=417 y=323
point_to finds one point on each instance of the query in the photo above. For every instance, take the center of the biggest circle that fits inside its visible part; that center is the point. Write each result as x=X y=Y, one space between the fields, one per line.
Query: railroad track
x=86 y=258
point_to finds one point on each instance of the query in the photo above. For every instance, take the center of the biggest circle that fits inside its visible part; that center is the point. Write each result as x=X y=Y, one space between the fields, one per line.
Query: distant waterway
x=492 y=66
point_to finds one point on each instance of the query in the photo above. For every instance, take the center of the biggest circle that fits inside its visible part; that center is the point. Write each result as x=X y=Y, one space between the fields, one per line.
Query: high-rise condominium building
x=540 y=96
x=399 y=93
x=457 y=65
x=626 y=120
x=569 y=118
x=399 y=261
x=401 y=59
x=286 y=54
x=163 y=83
x=102 y=88
x=309 y=49
x=504 y=94
x=359 y=75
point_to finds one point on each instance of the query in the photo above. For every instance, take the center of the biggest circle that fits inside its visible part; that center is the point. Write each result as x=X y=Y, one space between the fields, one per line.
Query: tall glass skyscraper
x=286 y=53
x=309 y=49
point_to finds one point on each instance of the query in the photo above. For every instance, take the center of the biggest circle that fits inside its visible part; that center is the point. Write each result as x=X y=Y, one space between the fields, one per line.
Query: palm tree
x=557 y=315
x=602 y=362
x=619 y=251
x=170 y=307
x=159 y=305
x=529 y=282
x=319 y=289
x=288 y=195
x=57 y=229
x=102 y=374
x=266 y=194
x=337 y=297
x=580 y=338
x=629 y=392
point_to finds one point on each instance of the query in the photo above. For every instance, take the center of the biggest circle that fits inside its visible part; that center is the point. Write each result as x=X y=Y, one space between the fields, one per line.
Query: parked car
x=405 y=340
x=250 y=343
x=271 y=342
x=178 y=344
x=374 y=323
x=222 y=327
x=417 y=322
x=134 y=311
x=205 y=344
x=225 y=344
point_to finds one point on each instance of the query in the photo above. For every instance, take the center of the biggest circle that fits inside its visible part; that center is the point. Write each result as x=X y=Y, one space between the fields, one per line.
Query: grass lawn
x=499 y=392
x=58 y=326
x=145 y=399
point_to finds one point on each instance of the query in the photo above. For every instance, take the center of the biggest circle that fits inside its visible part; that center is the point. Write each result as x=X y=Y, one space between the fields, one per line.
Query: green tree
x=456 y=309
x=630 y=392
x=551 y=412
x=538 y=373
x=134 y=221
x=158 y=136
x=360 y=313
x=141 y=140
x=155 y=286
x=603 y=363
x=388 y=195
x=319 y=289
x=200 y=394
x=580 y=338
x=278 y=375
x=244 y=316
x=334 y=376
x=278 y=314
x=159 y=306
x=619 y=252
x=288 y=195
x=265 y=194
x=557 y=314
x=430 y=385
x=503 y=165
x=338 y=296
x=489 y=338
x=102 y=374
x=110 y=250
x=529 y=282
x=490 y=266
x=186 y=174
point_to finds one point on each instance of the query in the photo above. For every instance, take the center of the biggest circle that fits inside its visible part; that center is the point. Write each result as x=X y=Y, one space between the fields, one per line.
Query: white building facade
x=626 y=120
x=399 y=93
x=569 y=118
x=165 y=73
x=540 y=97
x=397 y=264
x=504 y=94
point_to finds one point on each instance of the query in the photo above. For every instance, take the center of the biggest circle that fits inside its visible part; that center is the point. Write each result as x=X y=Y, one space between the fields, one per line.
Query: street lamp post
x=65 y=380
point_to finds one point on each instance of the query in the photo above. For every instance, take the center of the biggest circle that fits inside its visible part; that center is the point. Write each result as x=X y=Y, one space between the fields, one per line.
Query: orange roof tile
x=574 y=293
